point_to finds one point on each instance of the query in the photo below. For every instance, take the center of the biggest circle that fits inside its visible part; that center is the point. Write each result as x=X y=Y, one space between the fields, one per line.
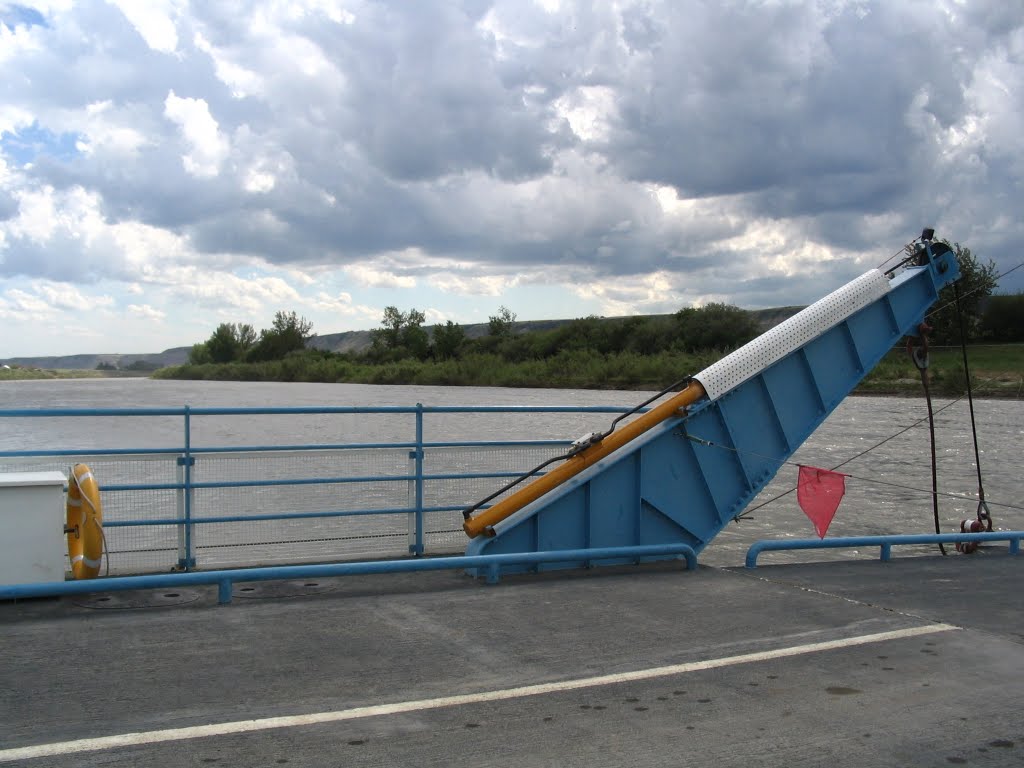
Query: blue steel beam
x=885 y=543
x=490 y=565
x=312 y=409
x=690 y=476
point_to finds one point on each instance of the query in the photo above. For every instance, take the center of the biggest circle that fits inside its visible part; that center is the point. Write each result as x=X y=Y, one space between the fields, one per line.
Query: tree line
x=637 y=352
x=404 y=336
x=239 y=342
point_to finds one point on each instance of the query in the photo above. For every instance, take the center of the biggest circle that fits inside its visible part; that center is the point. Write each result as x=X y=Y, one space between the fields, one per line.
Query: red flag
x=819 y=492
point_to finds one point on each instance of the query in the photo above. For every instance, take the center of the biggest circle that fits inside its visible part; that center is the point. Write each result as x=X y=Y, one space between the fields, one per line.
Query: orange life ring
x=84 y=523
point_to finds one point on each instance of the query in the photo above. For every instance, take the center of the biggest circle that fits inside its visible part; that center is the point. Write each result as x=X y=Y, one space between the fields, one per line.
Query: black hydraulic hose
x=468 y=511
x=935 y=472
x=921 y=361
x=685 y=381
x=983 y=513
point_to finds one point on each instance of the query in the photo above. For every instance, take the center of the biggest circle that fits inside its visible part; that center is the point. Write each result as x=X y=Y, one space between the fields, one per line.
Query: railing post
x=416 y=548
x=186 y=462
x=179 y=476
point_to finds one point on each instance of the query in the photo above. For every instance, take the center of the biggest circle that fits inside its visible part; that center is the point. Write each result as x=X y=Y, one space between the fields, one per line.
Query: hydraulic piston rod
x=674 y=406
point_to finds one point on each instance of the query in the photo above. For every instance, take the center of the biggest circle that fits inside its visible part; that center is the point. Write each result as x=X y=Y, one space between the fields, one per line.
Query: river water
x=888 y=490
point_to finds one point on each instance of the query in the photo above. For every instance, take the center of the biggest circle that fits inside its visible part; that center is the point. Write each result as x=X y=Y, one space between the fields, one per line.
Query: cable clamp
x=584 y=442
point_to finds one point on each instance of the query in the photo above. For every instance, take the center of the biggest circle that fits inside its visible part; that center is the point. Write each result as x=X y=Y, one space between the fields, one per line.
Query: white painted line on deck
x=317 y=718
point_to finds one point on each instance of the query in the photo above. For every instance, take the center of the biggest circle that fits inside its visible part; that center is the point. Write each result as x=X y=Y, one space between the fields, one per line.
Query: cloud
x=152 y=21
x=371 y=277
x=205 y=159
x=200 y=130
x=145 y=312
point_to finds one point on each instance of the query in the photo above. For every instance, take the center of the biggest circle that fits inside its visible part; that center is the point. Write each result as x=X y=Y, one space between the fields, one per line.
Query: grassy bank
x=25 y=374
x=997 y=371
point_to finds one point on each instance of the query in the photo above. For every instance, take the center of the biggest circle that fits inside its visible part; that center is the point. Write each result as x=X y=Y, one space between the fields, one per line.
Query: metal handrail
x=491 y=564
x=885 y=543
x=186 y=455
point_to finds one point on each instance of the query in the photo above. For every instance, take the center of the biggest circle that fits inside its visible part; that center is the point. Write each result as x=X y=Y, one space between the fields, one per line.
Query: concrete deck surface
x=929 y=695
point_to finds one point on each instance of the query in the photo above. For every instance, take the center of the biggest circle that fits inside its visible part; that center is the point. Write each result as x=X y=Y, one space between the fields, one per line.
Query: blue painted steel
x=687 y=478
x=188 y=461
x=196 y=450
x=93 y=452
x=417 y=547
x=313 y=409
x=493 y=564
x=187 y=454
x=52 y=412
x=298 y=448
x=885 y=543
x=114 y=487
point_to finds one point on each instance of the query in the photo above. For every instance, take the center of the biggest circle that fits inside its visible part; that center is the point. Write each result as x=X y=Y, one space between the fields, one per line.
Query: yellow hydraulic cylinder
x=575 y=464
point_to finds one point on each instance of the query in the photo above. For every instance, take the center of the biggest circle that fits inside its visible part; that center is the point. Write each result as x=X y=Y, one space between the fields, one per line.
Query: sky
x=167 y=166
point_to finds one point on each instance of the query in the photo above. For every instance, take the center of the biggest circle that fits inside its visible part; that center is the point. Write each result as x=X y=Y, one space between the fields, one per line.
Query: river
x=887 y=491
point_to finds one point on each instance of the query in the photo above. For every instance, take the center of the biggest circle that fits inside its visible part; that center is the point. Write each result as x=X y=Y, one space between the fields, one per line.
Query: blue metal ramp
x=684 y=479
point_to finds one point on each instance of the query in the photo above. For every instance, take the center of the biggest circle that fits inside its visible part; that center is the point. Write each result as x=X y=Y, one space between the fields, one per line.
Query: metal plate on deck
x=277 y=589
x=143 y=598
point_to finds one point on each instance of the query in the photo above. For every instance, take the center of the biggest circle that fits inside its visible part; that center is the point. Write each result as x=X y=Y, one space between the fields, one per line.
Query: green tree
x=448 y=340
x=402 y=332
x=223 y=344
x=229 y=342
x=714 y=326
x=500 y=325
x=105 y=366
x=389 y=335
x=143 y=365
x=289 y=333
x=1003 y=318
x=976 y=283
x=199 y=354
x=415 y=338
x=246 y=336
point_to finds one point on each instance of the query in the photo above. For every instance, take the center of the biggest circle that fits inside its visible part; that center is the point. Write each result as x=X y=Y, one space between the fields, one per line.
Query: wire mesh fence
x=246 y=508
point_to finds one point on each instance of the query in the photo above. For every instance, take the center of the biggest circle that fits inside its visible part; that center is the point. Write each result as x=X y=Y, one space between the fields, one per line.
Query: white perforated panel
x=770 y=347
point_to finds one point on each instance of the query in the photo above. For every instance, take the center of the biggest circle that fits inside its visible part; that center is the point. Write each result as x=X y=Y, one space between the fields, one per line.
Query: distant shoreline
x=37 y=374
x=1008 y=385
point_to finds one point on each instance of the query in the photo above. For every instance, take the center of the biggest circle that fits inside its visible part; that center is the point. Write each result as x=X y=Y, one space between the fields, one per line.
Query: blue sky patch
x=35 y=141
x=13 y=15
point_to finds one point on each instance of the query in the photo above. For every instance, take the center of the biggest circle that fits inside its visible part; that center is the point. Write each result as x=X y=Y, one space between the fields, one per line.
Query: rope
x=852 y=458
x=920 y=357
x=975 y=290
x=903 y=249
x=982 y=513
x=783 y=462
x=105 y=554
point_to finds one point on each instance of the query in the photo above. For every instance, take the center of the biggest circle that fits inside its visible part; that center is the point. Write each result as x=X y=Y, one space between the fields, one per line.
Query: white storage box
x=32 y=547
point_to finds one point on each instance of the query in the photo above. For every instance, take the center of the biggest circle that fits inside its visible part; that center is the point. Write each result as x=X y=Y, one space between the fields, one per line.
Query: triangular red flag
x=819 y=492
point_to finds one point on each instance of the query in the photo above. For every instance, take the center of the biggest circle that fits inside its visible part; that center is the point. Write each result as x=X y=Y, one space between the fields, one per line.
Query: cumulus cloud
x=152 y=20
x=145 y=312
x=645 y=154
x=367 y=275
x=200 y=130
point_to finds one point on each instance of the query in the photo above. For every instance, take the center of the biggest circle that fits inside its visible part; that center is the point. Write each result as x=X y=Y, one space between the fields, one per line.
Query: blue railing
x=884 y=543
x=487 y=565
x=415 y=462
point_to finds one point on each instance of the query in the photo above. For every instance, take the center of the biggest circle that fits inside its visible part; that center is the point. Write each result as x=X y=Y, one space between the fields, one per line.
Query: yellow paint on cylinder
x=576 y=464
